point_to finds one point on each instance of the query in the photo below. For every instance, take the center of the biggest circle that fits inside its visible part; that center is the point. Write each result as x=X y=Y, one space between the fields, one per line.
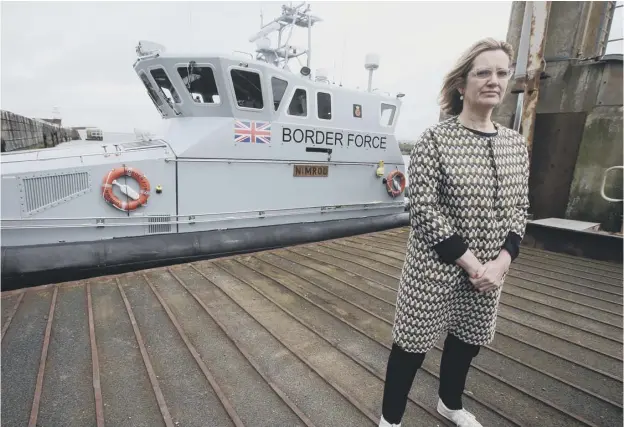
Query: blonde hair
x=449 y=95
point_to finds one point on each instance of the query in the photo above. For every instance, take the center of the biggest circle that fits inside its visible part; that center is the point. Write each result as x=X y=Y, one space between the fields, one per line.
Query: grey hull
x=25 y=266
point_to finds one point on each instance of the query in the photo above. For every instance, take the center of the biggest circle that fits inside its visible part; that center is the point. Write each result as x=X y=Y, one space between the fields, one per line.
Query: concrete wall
x=601 y=148
x=575 y=85
x=23 y=133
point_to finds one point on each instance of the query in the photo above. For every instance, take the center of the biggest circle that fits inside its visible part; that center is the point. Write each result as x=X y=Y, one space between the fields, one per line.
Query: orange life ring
x=390 y=180
x=130 y=205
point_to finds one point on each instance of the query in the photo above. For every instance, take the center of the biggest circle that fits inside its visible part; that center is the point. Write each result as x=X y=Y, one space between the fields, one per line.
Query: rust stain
x=99 y=408
x=5 y=327
x=191 y=348
x=537 y=42
x=307 y=421
x=8 y=294
x=34 y=413
x=64 y=285
x=160 y=398
x=306 y=360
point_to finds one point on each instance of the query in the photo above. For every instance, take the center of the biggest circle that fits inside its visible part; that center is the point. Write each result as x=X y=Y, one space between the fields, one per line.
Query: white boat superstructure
x=249 y=144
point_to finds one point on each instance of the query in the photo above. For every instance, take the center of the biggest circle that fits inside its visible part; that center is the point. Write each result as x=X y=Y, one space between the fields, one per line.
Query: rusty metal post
x=535 y=66
x=521 y=65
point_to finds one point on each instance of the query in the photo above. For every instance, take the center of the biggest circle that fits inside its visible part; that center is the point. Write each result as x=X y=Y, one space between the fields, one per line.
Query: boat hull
x=34 y=265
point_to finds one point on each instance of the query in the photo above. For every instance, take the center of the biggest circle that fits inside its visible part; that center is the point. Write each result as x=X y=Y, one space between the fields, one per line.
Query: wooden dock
x=300 y=337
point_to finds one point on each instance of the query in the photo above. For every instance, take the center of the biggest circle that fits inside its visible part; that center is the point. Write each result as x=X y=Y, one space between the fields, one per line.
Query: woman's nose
x=493 y=80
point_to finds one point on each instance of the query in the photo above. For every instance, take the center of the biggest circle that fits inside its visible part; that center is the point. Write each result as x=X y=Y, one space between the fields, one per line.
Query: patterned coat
x=466 y=190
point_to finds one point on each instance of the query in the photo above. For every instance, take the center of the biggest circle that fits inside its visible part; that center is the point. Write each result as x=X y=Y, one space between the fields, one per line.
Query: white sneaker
x=384 y=423
x=460 y=417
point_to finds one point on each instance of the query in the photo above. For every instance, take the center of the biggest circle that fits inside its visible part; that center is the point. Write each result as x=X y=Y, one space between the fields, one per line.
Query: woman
x=468 y=195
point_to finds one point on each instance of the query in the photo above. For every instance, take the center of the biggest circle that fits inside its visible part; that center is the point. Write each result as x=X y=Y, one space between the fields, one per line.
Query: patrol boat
x=256 y=156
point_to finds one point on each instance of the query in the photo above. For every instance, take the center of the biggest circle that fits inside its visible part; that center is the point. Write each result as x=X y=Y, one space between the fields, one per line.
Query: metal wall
x=578 y=116
x=557 y=141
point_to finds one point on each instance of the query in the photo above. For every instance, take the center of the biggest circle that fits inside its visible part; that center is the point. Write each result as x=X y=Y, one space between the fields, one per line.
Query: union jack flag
x=252 y=132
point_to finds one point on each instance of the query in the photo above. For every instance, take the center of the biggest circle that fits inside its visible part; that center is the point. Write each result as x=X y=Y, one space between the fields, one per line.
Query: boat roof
x=169 y=59
x=301 y=336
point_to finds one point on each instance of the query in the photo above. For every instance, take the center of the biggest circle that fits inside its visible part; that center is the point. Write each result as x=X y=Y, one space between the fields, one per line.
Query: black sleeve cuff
x=512 y=245
x=451 y=249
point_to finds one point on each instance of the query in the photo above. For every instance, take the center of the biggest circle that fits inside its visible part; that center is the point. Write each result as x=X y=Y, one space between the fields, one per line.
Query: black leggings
x=402 y=367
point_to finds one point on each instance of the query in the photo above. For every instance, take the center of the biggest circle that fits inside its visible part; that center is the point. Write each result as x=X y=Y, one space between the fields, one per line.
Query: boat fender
x=135 y=199
x=395 y=183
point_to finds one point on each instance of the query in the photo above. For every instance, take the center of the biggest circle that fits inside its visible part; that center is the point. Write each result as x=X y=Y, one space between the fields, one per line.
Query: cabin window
x=299 y=103
x=166 y=87
x=201 y=84
x=279 y=89
x=248 y=89
x=323 y=103
x=387 y=114
x=151 y=91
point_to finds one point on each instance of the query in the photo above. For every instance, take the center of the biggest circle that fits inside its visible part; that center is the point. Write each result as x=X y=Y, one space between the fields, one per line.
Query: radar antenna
x=284 y=25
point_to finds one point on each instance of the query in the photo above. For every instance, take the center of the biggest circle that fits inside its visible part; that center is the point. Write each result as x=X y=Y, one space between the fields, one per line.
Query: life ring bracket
x=391 y=180
x=135 y=199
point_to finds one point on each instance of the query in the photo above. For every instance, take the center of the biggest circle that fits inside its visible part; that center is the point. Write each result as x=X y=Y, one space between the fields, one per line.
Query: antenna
x=371 y=64
x=309 y=38
x=291 y=17
x=344 y=46
x=190 y=25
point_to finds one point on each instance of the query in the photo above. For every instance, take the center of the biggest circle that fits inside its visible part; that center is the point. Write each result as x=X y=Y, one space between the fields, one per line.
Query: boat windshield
x=200 y=83
x=152 y=93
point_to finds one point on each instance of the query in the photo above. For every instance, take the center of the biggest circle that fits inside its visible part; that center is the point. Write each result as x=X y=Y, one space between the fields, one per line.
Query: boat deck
x=301 y=336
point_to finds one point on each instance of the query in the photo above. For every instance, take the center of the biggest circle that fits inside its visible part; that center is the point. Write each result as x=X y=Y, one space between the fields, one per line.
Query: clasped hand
x=489 y=276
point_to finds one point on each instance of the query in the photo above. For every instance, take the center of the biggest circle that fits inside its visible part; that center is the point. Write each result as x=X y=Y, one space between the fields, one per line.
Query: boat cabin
x=227 y=86
x=263 y=104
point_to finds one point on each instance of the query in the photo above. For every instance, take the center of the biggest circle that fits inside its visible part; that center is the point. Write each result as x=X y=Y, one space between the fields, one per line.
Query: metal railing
x=604 y=182
x=602 y=189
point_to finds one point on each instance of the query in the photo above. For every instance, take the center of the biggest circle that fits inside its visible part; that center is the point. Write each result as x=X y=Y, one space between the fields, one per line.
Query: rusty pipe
x=535 y=66
x=521 y=64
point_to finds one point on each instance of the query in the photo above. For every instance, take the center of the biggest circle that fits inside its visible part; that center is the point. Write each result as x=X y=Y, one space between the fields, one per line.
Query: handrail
x=192 y=219
x=604 y=181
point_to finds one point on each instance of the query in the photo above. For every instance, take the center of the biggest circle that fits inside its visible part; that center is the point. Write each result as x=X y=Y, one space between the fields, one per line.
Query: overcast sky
x=78 y=56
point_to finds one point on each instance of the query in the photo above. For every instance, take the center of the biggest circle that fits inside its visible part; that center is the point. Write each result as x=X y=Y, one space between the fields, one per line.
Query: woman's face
x=487 y=81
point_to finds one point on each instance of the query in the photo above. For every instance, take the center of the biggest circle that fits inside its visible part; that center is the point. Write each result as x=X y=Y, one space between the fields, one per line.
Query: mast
x=309 y=62
x=291 y=17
